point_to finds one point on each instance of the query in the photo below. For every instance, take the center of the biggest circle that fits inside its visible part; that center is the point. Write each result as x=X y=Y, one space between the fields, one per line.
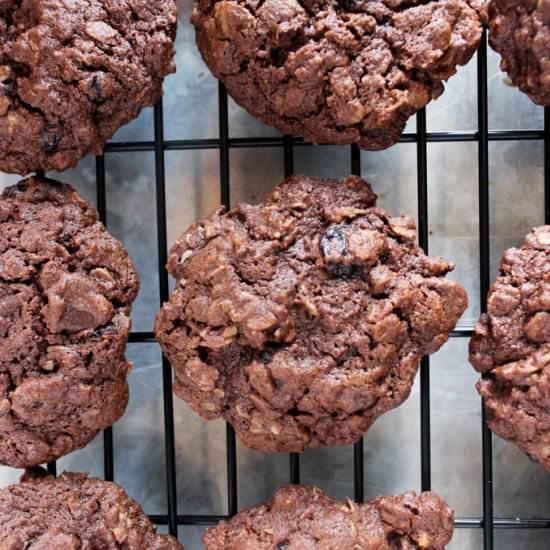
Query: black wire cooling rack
x=488 y=522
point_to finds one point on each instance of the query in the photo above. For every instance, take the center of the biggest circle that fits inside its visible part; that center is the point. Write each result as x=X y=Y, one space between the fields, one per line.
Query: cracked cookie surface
x=302 y=518
x=335 y=71
x=511 y=348
x=303 y=319
x=72 y=73
x=74 y=512
x=519 y=30
x=66 y=289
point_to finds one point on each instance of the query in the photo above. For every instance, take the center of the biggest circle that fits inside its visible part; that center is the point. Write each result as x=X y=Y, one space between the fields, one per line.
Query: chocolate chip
x=96 y=87
x=266 y=357
x=347 y=249
x=345 y=271
x=203 y=354
x=334 y=242
x=334 y=245
x=50 y=139
x=74 y=304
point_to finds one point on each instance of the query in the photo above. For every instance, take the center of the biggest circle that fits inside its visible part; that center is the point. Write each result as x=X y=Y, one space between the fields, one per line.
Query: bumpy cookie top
x=66 y=287
x=301 y=320
x=72 y=73
x=511 y=347
x=520 y=31
x=336 y=71
x=299 y=517
x=74 y=512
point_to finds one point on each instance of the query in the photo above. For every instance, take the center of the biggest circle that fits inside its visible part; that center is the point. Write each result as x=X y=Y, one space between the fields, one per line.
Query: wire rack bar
x=288 y=168
x=503 y=523
x=423 y=238
x=359 y=447
x=51 y=466
x=547 y=165
x=485 y=275
x=149 y=337
x=162 y=240
x=359 y=471
x=101 y=189
x=288 y=155
x=240 y=143
x=145 y=337
x=101 y=198
x=225 y=195
x=460 y=523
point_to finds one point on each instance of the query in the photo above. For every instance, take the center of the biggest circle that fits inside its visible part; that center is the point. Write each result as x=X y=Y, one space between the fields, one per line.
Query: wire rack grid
x=487 y=522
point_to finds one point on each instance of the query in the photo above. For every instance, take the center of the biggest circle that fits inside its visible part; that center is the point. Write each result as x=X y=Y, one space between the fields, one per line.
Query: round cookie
x=66 y=289
x=519 y=30
x=333 y=71
x=298 y=517
x=511 y=348
x=74 y=512
x=72 y=73
x=303 y=319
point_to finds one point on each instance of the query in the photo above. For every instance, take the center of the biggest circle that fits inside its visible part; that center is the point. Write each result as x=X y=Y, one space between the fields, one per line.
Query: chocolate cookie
x=74 y=512
x=66 y=289
x=303 y=319
x=72 y=73
x=333 y=71
x=519 y=30
x=511 y=348
x=300 y=517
